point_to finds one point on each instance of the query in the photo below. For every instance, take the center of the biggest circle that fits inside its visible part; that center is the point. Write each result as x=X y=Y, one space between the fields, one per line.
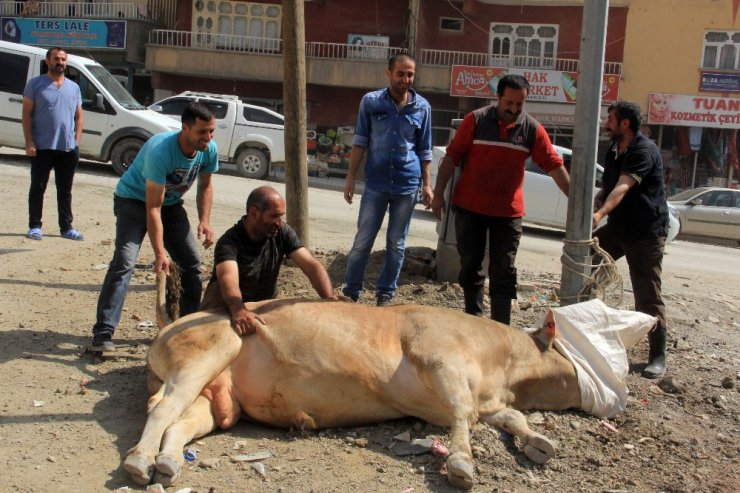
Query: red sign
x=545 y=85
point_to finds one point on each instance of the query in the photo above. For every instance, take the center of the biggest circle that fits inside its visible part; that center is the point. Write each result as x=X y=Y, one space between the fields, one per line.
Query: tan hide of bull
x=323 y=364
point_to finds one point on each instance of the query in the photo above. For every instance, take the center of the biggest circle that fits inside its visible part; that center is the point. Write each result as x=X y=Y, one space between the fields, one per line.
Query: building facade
x=682 y=65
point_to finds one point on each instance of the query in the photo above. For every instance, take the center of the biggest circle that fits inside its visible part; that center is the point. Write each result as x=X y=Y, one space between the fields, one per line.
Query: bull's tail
x=168 y=296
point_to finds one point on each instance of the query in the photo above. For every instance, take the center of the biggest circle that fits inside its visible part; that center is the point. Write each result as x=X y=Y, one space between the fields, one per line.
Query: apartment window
x=259 y=22
x=523 y=45
x=451 y=24
x=722 y=50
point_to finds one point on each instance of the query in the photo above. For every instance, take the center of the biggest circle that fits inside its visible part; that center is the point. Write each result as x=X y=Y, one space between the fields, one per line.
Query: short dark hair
x=399 y=57
x=512 y=81
x=261 y=198
x=627 y=110
x=53 y=49
x=194 y=111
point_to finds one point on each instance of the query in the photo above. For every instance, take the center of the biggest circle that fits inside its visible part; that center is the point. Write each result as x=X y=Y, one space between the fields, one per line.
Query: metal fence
x=159 y=12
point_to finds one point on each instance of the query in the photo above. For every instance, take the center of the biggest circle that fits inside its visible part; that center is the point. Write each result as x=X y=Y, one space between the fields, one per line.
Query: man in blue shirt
x=394 y=127
x=52 y=127
x=148 y=198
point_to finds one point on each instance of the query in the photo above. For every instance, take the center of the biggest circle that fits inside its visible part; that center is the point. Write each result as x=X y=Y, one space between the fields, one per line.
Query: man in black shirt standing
x=247 y=260
x=633 y=196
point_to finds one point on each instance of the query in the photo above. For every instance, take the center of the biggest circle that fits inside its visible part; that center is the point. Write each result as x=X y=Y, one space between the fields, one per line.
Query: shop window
x=722 y=50
x=523 y=45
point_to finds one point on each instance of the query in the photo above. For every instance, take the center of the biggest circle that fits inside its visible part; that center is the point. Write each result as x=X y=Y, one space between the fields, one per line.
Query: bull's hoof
x=168 y=465
x=539 y=449
x=140 y=468
x=460 y=471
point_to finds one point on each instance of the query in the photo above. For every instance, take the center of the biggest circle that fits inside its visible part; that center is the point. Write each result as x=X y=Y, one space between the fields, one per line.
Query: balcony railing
x=162 y=13
x=340 y=51
x=447 y=58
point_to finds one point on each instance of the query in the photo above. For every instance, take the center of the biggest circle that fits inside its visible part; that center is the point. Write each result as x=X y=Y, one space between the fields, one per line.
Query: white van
x=114 y=127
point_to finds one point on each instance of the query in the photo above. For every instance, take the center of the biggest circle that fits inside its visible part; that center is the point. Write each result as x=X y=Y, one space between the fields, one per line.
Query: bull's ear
x=546 y=333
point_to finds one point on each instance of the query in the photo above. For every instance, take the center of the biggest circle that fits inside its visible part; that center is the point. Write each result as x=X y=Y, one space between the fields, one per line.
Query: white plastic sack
x=595 y=338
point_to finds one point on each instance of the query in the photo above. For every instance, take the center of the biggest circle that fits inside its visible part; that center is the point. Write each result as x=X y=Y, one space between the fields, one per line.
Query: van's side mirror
x=99 y=102
x=156 y=107
x=695 y=202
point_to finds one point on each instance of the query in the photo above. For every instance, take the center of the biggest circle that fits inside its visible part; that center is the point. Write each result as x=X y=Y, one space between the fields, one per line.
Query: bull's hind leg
x=536 y=447
x=197 y=420
x=140 y=460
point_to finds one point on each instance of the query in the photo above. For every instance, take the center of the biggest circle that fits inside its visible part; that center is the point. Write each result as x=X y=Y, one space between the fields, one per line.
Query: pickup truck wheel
x=124 y=153
x=252 y=163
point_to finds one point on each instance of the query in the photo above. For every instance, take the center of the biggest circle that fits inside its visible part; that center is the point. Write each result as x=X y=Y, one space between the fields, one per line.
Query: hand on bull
x=245 y=322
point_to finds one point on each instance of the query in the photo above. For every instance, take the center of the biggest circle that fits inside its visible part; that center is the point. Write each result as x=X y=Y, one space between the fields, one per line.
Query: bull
x=326 y=364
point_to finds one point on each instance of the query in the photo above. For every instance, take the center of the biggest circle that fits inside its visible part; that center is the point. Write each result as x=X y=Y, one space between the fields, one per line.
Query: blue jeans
x=130 y=231
x=373 y=207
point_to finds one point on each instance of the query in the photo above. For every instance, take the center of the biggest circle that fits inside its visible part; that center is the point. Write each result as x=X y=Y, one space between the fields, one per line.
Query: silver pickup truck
x=250 y=136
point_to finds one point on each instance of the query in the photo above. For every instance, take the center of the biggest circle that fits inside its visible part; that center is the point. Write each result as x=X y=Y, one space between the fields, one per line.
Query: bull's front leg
x=538 y=448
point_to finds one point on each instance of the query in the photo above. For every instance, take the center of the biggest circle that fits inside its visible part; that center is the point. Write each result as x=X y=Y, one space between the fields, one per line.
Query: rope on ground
x=604 y=278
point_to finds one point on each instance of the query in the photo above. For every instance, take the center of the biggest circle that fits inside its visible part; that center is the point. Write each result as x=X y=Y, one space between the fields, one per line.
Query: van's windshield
x=114 y=88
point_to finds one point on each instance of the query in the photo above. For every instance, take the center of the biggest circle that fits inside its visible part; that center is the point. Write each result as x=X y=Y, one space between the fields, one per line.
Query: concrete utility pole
x=294 y=101
x=585 y=144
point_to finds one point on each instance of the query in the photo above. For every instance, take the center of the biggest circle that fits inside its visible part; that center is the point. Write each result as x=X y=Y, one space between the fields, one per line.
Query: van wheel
x=252 y=163
x=124 y=153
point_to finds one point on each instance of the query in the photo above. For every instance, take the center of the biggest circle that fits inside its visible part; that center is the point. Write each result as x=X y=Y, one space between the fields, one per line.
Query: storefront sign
x=719 y=82
x=694 y=111
x=64 y=32
x=367 y=47
x=550 y=86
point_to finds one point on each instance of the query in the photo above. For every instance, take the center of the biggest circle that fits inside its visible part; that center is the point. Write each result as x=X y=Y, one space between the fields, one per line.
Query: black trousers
x=645 y=259
x=64 y=164
x=503 y=235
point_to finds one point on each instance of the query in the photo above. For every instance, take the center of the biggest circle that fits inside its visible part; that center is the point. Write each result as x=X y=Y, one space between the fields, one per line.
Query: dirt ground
x=68 y=418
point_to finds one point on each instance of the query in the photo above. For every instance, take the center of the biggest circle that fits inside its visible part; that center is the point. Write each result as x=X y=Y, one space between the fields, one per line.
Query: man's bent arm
x=242 y=320
x=614 y=198
x=561 y=178
x=445 y=172
x=315 y=272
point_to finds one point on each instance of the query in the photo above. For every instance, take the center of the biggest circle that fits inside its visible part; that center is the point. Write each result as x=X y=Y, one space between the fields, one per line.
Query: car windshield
x=686 y=194
x=114 y=88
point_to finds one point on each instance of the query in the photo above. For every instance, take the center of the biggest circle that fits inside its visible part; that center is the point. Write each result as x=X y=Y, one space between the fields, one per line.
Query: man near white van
x=52 y=127
x=148 y=199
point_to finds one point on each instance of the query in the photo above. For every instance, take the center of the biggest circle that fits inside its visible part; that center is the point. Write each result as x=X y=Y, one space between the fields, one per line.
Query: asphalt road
x=332 y=222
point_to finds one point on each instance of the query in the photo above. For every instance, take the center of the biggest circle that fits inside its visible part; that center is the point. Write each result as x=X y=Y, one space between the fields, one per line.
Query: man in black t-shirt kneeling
x=247 y=260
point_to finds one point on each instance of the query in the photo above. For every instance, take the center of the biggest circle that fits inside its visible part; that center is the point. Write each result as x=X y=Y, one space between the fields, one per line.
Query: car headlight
x=674 y=212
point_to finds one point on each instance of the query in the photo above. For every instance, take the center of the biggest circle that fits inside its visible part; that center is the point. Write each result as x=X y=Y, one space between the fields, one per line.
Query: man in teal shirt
x=148 y=198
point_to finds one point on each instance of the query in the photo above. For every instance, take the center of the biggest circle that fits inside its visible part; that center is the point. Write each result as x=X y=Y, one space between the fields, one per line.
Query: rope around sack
x=603 y=275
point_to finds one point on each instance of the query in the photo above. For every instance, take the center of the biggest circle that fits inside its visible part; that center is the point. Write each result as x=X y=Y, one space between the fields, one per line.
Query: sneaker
x=102 y=344
x=383 y=299
x=35 y=234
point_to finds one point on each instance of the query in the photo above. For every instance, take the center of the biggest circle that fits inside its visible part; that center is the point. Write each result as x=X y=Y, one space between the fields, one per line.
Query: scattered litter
x=105 y=242
x=251 y=457
x=146 y=324
x=645 y=439
x=409 y=489
x=184 y=490
x=259 y=468
x=101 y=267
x=239 y=444
x=210 y=463
x=439 y=450
x=608 y=426
x=123 y=489
x=403 y=437
x=629 y=446
x=415 y=447
x=190 y=455
x=155 y=488
x=38 y=403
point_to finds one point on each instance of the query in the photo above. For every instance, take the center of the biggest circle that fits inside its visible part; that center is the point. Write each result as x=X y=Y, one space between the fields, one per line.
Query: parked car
x=250 y=136
x=115 y=126
x=544 y=203
x=709 y=211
